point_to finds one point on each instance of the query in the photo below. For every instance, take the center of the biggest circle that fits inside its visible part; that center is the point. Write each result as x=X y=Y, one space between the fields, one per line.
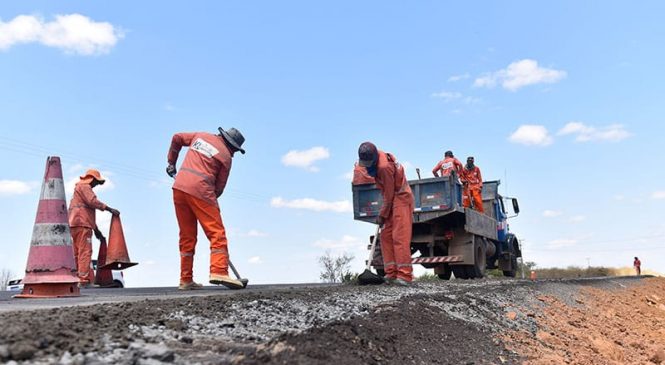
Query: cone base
x=118 y=265
x=50 y=290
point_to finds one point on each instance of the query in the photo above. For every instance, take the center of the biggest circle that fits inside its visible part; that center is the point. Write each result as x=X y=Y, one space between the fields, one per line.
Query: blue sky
x=561 y=101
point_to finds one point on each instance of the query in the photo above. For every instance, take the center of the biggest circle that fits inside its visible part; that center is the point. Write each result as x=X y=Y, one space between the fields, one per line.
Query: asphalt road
x=100 y=296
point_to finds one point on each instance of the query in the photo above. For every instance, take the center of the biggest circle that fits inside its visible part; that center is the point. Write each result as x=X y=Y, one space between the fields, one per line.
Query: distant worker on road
x=448 y=165
x=473 y=186
x=396 y=215
x=637 y=264
x=83 y=223
x=201 y=181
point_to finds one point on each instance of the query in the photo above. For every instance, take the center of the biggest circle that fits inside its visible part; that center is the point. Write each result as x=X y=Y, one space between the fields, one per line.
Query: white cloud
x=531 y=135
x=447 y=96
x=305 y=159
x=619 y=197
x=255 y=260
x=520 y=74
x=586 y=133
x=455 y=78
x=658 y=195
x=256 y=233
x=72 y=33
x=16 y=187
x=552 y=213
x=560 y=243
x=345 y=243
x=348 y=176
x=342 y=206
x=577 y=219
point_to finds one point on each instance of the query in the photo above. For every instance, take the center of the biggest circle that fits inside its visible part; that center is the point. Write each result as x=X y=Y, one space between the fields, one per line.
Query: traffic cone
x=103 y=277
x=51 y=270
x=117 y=257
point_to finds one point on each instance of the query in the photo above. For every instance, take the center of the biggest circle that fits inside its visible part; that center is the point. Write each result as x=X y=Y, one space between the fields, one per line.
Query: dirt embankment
x=474 y=322
x=621 y=326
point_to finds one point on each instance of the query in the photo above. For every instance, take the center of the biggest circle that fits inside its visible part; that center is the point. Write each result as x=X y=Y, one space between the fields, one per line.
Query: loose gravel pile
x=438 y=322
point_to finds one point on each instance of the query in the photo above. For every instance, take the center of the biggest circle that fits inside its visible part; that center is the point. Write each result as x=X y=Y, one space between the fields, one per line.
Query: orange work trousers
x=189 y=210
x=396 y=243
x=476 y=195
x=82 y=237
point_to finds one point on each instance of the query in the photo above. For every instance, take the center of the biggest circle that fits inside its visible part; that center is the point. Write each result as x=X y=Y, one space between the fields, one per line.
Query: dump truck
x=446 y=236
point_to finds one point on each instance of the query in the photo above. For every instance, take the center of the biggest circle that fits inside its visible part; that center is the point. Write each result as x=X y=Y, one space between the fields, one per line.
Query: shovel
x=368 y=277
x=242 y=280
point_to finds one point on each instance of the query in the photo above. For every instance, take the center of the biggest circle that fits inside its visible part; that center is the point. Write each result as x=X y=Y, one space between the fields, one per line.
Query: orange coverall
x=638 y=267
x=473 y=188
x=82 y=222
x=200 y=181
x=447 y=165
x=360 y=176
x=397 y=210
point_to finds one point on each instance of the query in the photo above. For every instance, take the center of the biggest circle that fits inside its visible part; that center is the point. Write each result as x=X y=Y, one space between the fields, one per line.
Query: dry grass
x=579 y=272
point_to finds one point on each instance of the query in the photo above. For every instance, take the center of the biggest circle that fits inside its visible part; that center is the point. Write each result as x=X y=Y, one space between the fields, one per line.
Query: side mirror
x=516 y=206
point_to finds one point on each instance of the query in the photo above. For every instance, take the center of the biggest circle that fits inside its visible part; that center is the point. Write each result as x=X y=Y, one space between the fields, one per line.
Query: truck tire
x=511 y=273
x=460 y=272
x=477 y=270
x=444 y=272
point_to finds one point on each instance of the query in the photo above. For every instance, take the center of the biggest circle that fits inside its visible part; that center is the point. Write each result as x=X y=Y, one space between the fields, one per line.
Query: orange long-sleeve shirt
x=391 y=180
x=83 y=205
x=207 y=165
x=447 y=165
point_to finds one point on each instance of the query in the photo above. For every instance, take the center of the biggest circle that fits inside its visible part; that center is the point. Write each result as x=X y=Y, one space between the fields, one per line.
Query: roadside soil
x=622 y=326
x=472 y=322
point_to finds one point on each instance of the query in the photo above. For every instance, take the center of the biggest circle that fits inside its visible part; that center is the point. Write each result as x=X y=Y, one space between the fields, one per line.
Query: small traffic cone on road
x=117 y=257
x=51 y=270
x=103 y=277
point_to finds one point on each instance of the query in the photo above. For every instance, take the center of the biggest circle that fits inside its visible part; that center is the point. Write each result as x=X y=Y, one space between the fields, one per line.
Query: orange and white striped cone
x=51 y=270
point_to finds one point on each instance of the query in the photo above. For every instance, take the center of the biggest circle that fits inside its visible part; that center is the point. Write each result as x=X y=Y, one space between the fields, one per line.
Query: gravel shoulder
x=473 y=322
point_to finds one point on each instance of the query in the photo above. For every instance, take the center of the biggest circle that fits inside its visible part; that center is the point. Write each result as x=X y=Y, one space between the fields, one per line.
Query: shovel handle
x=373 y=248
x=233 y=268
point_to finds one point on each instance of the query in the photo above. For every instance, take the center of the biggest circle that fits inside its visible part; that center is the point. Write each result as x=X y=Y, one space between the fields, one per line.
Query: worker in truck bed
x=473 y=185
x=396 y=215
x=201 y=181
x=83 y=224
x=448 y=165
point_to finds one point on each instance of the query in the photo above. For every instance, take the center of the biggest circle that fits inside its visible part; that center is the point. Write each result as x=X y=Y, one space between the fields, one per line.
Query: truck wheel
x=444 y=272
x=513 y=266
x=460 y=272
x=477 y=270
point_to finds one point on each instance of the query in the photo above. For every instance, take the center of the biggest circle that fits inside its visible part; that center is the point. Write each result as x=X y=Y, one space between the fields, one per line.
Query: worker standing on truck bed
x=83 y=223
x=396 y=215
x=448 y=165
x=637 y=264
x=201 y=181
x=473 y=185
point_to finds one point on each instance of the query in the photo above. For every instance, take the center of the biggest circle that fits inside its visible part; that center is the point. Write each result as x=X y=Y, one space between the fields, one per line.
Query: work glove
x=99 y=235
x=113 y=211
x=171 y=171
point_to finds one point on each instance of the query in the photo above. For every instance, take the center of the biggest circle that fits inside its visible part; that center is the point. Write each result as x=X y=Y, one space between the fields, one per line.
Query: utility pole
x=588 y=262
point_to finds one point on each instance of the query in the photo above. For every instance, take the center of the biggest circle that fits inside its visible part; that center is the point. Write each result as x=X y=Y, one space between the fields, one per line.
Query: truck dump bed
x=437 y=201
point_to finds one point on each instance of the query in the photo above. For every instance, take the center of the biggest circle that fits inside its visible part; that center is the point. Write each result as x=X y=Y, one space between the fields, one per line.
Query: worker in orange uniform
x=83 y=223
x=637 y=264
x=473 y=185
x=360 y=176
x=396 y=214
x=448 y=165
x=201 y=181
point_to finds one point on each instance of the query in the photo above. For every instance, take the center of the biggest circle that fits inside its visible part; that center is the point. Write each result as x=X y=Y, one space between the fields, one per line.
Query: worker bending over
x=201 y=181
x=83 y=223
x=473 y=186
x=448 y=165
x=396 y=214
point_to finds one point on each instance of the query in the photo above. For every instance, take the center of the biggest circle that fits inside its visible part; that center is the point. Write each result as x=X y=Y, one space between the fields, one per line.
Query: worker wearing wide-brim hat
x=82 y=222
x=201 y=180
